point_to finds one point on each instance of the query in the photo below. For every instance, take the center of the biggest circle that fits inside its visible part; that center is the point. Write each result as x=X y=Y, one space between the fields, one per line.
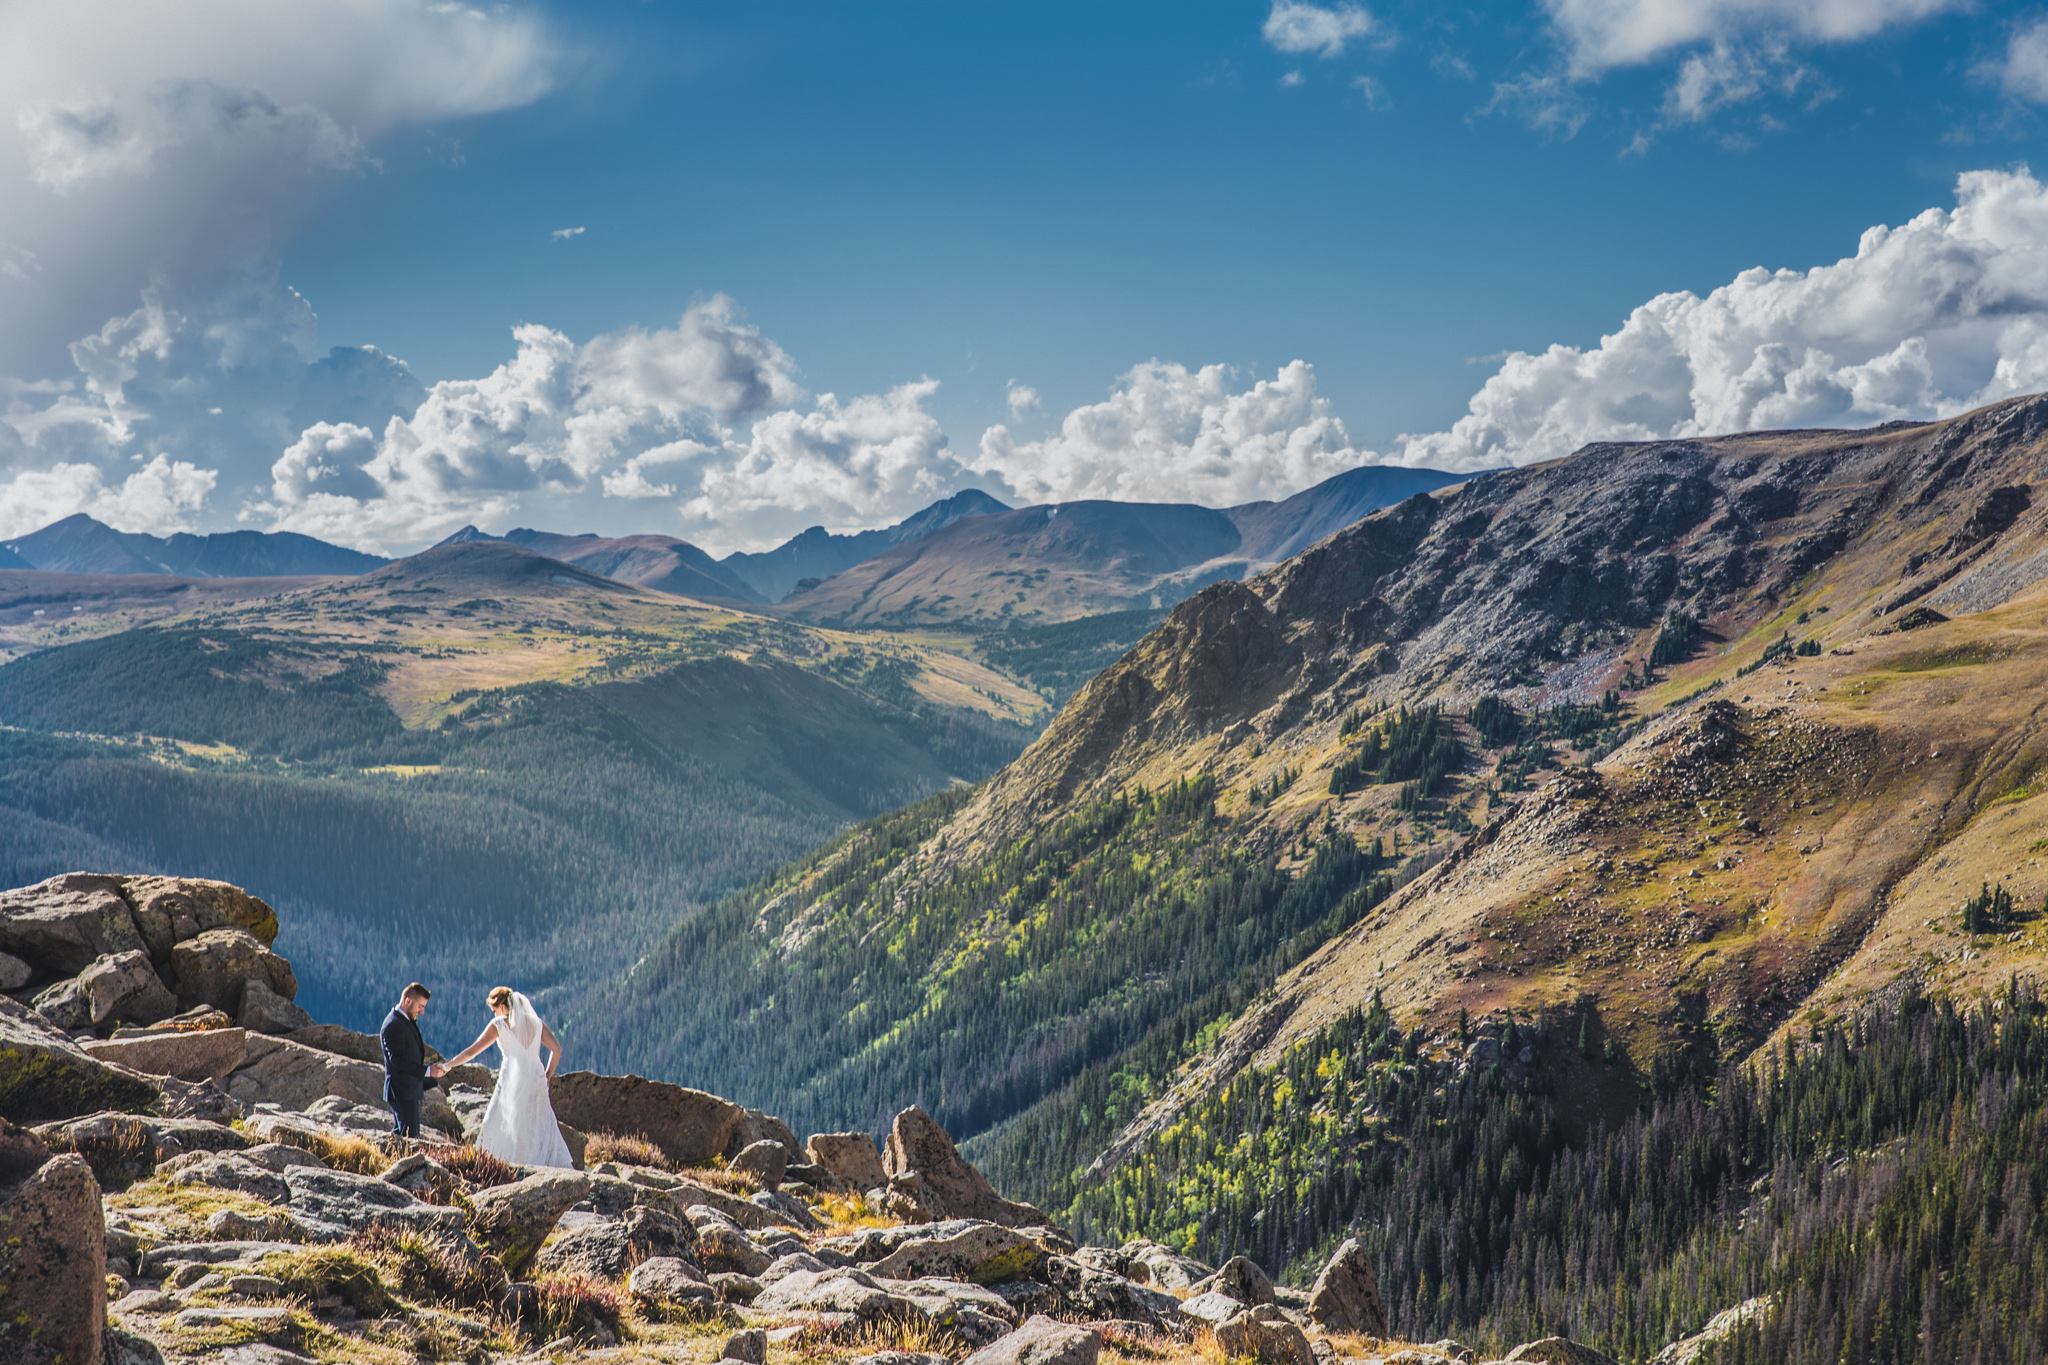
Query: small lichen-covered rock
x=333 y=1206
x=513 y=1220
x=836 y=1291
x=723 y=1245
x=1265 y=1336
x=125 y=986
x=1346 y=1296
x=53 y=1255
x=670 y=1282
x=1241 y=1279
x=1041 y=1341
x=45 y=1075
x=607 y=1250
x=14 y=973
x=212 y=968
x=851 y=1158
x=978 y=1253
x=265 y=1011
x=765 y=1160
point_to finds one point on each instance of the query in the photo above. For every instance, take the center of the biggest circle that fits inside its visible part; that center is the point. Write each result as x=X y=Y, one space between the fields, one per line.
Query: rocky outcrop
x=847 y=1291
x=1346 y=1295
x=690 y=1127
x=53 y=1255
x=851 y=1158
x=1702 y=1345
x=513 y=1220
x=931 y=1180
x=45 y=1075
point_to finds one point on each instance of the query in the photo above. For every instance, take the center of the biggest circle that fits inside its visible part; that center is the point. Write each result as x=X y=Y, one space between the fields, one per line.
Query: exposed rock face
x=53 y=1255
x=125 y=986
x=1346 y=1295
x=765 y=1160
x=203 y=1055
x=608 y=1249
x=927 y=1171
x=1559 y=1351
x=44 y=1075
x=852 y=1159
x=14 y=973
x=212 y=968
x=1041 y=1341
x=689 y=1126
x=512 y=1220
x=171 y=908
x=265 y=1011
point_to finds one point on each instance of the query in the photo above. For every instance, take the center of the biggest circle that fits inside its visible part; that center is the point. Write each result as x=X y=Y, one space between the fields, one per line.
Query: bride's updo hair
x=500 y=997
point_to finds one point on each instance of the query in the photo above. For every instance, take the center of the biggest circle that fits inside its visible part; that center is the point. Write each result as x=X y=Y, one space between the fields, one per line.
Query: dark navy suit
x=405 y=1070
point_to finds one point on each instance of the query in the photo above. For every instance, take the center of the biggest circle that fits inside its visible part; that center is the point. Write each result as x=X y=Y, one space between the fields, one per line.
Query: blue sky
x=913 y=208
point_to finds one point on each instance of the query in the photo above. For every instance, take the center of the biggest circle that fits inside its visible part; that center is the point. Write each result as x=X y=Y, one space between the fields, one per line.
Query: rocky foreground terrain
x=192 y=1169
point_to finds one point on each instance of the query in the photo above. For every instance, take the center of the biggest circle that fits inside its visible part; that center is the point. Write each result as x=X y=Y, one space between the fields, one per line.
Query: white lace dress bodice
x=519 y=1126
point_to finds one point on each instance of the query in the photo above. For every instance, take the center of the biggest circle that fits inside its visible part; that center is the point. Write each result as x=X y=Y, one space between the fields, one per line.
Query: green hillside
x=543 y=833
x=849 y=984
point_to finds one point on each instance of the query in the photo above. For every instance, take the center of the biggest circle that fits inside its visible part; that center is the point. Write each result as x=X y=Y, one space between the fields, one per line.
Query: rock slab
x=45 y=1075
x=925 y=1169
x=513 y=1220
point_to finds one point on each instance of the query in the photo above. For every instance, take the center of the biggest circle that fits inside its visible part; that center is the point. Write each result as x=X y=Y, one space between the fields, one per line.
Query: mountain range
x=1109 y=555
x=1677 y=753
x=1065 y=560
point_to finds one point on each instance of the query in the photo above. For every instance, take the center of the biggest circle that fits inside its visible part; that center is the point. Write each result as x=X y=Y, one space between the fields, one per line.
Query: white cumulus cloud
x=1296 y=26
x=1022 y=398
x=160 y=497
x=2023 y=72
x=1599 y=34
x=1942 y=314
x=1171 y=434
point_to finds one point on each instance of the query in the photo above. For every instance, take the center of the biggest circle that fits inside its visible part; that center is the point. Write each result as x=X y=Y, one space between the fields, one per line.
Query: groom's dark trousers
x=405 y=1071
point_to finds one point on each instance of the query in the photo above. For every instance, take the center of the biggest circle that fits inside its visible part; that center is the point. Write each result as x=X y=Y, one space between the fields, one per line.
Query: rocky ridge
x=170 y=1191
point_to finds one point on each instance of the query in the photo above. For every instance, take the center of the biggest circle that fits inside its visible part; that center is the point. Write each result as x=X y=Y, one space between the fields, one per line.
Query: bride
x=519 y=1126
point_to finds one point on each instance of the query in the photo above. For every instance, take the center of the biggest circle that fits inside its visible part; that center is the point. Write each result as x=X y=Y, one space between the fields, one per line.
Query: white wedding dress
x=519 y=1126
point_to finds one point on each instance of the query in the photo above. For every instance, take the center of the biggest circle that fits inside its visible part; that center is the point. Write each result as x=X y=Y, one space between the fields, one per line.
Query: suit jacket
x=405 y=1057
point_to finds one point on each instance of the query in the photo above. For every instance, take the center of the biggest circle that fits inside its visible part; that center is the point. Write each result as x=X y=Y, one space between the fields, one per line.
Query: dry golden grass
x=626 y=1150
x=918 y=1335
x=719 y=1178
x=350 y=1153
x=852 y=1212
x=182 y=1210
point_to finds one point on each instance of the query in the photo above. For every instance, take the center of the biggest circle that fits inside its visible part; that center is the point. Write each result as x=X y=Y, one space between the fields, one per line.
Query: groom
x=406 y=1072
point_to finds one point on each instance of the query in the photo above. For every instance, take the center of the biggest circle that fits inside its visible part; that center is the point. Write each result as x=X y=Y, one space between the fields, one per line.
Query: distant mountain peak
x=80 y=544
x=815 y=553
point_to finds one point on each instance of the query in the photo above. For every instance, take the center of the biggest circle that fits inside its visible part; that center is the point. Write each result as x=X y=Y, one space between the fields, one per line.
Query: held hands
x=437 y=1071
